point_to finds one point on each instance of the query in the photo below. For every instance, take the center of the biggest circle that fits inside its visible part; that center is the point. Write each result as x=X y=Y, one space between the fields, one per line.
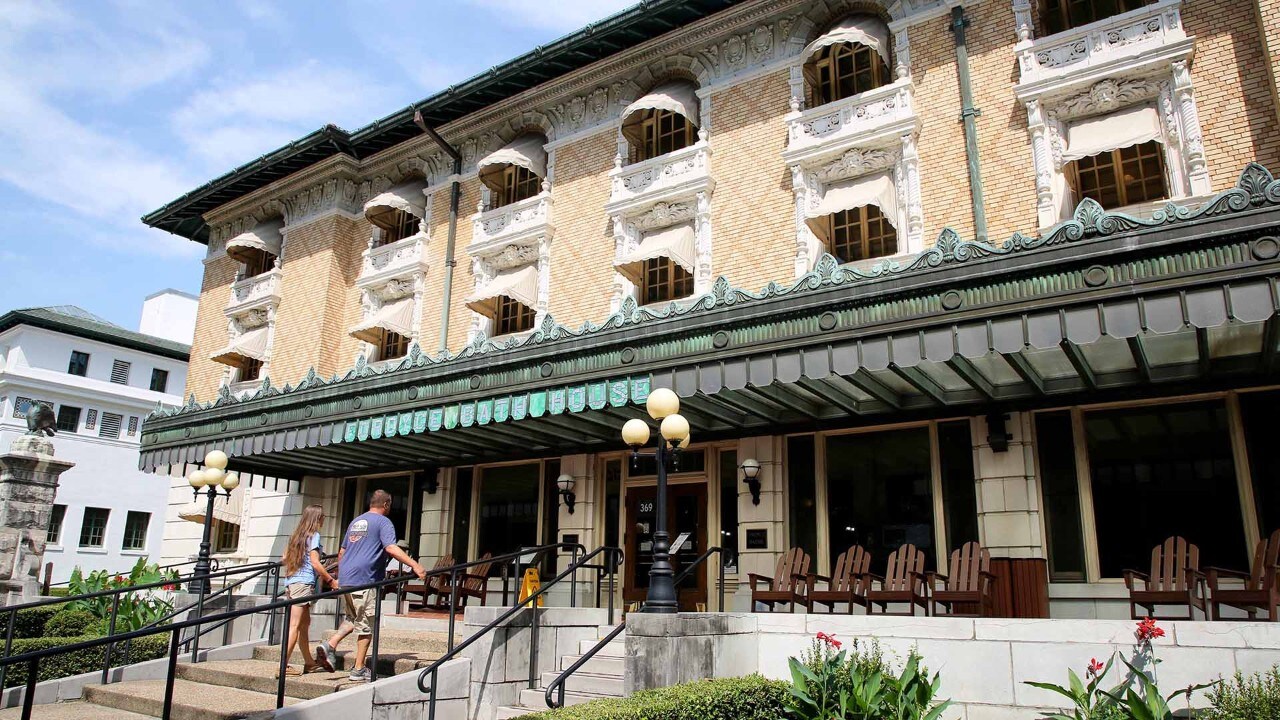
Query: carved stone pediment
x=395 y=289
x=511 y=256
x=663 y=214
x=857 y=162
x=1105 y=96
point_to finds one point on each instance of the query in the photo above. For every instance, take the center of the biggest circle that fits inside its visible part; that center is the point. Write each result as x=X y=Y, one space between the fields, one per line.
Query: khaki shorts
x=300 y=590
x=359 y=607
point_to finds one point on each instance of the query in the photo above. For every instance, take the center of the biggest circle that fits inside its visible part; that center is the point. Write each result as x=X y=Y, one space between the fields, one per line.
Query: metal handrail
x=214 y=566
x=432 y=670
x=558 y=684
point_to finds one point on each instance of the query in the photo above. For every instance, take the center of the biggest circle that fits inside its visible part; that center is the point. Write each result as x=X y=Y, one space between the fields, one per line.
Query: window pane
x=1159 y=472
x=226 y=536
x=68 y=418
x=93 y=527
x=508 y=508
x=1058 y=485
x=135 y=530
x=879 y=492
x=54 y=535
x=461 y=513
x=159 y=380
x=729 y=509
x=1257 y=411
x=802 y=485
x=79 y=363
x=612 y=499
x=955 y=446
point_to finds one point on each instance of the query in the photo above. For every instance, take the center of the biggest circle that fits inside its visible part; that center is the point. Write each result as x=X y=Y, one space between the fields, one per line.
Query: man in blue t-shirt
x=370 y=542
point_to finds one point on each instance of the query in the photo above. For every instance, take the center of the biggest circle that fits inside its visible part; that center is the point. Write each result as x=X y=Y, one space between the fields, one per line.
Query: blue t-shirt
x=306 y=573
x=364 y=557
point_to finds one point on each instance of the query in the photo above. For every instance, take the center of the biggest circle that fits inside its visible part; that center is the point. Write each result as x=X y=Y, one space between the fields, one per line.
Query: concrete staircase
x=230 y=689
x=600 y=677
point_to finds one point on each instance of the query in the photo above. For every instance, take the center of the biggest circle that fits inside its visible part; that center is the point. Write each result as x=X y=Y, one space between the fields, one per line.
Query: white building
x=101 y=380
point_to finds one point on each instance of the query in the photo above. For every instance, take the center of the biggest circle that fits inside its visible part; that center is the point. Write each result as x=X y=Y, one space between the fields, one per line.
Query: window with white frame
x=257 y=248
x=135 y=530
x=856 y=219
x=1060 y=15
x=54 y=534
x=662 y=121
x=849 y=59
x=93 y=528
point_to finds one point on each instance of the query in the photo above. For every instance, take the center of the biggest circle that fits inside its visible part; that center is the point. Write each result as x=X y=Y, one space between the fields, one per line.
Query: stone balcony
x=516 y=223
x=679 y=174
x=875 y=118
x=1149 y=36
x=254 y=293
x=403 y=257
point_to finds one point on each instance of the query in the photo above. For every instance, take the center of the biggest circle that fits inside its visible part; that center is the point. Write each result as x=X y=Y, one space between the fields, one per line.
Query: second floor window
x=79 y=364
x=399 y=225
x=68 y=418
x=513 y=317
x=257 y=262
x=135 y=530
x=110 y=425
x=846 y=69
x=1118 y=178
x=664 y=280
x=94 y=527
x=159 y=380
x=518 y=184
x=1059 y=15
x=662 y=132
x=249 y=370
x=393 y=345
x=861 y=233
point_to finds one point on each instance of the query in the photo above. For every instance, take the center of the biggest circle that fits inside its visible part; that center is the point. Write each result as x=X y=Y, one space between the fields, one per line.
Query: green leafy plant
x=136 y=609
x=829 y=683
x=743 y=698
x=1246 y=697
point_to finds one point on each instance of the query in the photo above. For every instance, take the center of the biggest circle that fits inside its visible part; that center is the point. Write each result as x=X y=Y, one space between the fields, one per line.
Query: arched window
x=257 y=248
x=849 y=59
x=1059 y=15
x=516 y=171
x=398 y=212
x=663 y=121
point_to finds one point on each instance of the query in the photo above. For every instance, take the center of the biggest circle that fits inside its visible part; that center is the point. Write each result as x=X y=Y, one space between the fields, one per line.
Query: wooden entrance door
x=686 y=513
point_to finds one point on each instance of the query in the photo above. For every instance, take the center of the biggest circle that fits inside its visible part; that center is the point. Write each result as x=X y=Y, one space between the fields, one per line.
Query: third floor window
x=398 y=226
x=664 y=280
x=393 y=345
x=846 y=69
x=257 y=262
x=517 y=184
x=1059 y=15
x=159 y=380
x=662 y=132
x=79 y=363
x=1118 y=178
x=513 y=317
x=120 y=371
x=248 y=370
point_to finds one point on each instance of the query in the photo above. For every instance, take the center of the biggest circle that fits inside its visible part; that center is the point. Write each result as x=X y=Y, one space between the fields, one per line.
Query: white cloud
x=561 y=16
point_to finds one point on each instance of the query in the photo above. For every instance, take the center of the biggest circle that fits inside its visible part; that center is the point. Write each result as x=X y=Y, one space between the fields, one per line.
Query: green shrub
x=70 y=622
x=1255 y=697
x=744 y=698
x=81 y=661
x=29 y=623
x=58 y=592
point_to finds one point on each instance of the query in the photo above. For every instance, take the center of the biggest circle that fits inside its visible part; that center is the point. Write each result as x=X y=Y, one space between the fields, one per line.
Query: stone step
x=191 y=700
x=536 y=701
x=398 y=652
x=598 y=664
x=260 y=676
x=74 y=710
x=615 y=648
x=591 y=683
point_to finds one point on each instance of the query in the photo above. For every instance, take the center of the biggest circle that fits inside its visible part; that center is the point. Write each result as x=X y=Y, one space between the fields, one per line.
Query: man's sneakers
x=326 y=657
x=360 y=675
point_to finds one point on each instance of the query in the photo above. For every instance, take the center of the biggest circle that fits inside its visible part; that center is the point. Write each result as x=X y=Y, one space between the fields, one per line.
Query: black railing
x=613 y=557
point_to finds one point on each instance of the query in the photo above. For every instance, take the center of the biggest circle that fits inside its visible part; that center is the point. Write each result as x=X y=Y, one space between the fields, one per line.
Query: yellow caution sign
x=530 y=585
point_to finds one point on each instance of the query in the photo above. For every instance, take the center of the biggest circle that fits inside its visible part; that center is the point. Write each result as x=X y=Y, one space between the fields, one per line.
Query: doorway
x=406 y=505
x=686 y=513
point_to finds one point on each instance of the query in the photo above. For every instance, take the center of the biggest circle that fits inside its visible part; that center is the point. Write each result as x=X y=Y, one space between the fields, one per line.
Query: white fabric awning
x=875 y=189
x=225 y=509
x=251 y=344
x=1128 y=127
x=859 y=29
x=520 y=284
x=678 y=242
x=525 y=151
x=396 y=316
x=677 y=97
x=407 y=197
x=264 y=236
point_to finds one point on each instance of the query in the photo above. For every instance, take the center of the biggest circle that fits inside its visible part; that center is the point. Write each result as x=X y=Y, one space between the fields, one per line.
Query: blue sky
x=109 y=109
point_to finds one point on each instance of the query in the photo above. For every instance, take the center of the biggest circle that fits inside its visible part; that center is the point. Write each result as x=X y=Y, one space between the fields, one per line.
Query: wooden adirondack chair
x=1261 y=589
x=848 y=582
x=472 y=583
x=1175 y=579
x=903 y=582
x=968 y=585
x=787 y=584
x=431 y=586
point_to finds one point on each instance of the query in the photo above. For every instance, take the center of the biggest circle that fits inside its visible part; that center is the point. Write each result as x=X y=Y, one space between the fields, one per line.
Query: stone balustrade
x=254 y=292
x=683 y=171
x=875 y=117
x=501 y=225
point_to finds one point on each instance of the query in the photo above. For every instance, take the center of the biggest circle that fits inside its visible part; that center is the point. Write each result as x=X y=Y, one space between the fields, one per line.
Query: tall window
x=664 y=280
x=508 y=508
x=79 y=364
x=94 y=527
x=54 y=535
x=1121 y=177
x=518 y=184
x=135 y=530
x=728 y=540
x=248 y=370
x=462 y=512
x=803 y=486
x=846 y=69
x=402 y=225
x=663 y=132
x=257 y=262
x=393 y=345
x=1059 y=487
x=513 y=316
x=612 y=501
x=159 y=380
x=862 y=233
x=1059 y=15
x=68 y=418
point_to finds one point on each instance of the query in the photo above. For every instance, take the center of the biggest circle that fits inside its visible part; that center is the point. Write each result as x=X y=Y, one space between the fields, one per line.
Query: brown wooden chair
x=787 y=584
x=1175 y=579
x=473 y=583
x=967 y=587
x=903 y=582
x=848 y=582
x=1261 y=590
x=431 y=586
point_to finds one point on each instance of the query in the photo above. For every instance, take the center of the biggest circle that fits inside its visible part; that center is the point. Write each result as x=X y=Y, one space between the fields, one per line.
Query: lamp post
x=214 y=476
x=664 y=406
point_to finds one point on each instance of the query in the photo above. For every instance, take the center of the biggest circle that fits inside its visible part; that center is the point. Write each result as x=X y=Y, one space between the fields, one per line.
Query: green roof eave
x=632 y=26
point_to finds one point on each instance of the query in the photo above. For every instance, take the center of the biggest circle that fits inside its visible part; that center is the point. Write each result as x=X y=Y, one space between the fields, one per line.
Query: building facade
x=100 y=380
x=1000 y=270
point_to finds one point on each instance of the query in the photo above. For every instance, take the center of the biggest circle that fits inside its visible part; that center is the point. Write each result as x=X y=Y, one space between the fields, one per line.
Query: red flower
x=170 y=587
x=1148 y=631
x=829 y=640
x=119 y=579
x=1095 y=667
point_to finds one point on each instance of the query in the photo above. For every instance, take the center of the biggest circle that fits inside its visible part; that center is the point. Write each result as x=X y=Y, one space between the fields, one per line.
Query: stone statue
x=41 y=421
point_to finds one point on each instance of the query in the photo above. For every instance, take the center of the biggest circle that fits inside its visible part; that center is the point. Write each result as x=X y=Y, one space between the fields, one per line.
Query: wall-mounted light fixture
x=751 y=476
x=565 y=483
x=997 y=436
x=430 y=482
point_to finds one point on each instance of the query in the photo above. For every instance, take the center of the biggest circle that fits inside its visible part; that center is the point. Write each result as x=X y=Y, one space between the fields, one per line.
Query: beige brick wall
x=203 y=374
x=463 y=280
x=582 y=252
x=1268 y=17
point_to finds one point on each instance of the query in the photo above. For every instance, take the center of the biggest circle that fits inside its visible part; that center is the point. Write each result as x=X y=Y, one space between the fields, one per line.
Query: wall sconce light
x=431 y=483
x=997 y=436
x=565 y=483
x=751 y=476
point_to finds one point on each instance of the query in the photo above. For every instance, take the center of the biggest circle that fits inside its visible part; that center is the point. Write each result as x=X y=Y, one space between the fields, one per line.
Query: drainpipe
x=455 y=195
x=967 y=113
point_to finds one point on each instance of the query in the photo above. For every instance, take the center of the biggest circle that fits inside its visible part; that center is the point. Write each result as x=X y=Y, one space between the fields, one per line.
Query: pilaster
x=769 y=516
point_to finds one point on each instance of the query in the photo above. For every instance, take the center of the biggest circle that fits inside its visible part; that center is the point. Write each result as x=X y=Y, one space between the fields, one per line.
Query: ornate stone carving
x=333 y=194
x=856 y=162
x=1105 y=96
x=663 y=214
x=512 y=256
x=583 y=111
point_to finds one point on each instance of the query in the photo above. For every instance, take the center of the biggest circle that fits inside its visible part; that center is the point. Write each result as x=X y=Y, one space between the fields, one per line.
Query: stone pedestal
x=28 y=483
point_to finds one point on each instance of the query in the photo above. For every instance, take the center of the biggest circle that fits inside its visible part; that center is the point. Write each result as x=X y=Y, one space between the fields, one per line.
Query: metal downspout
x=967 y=113
x=455 y=195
